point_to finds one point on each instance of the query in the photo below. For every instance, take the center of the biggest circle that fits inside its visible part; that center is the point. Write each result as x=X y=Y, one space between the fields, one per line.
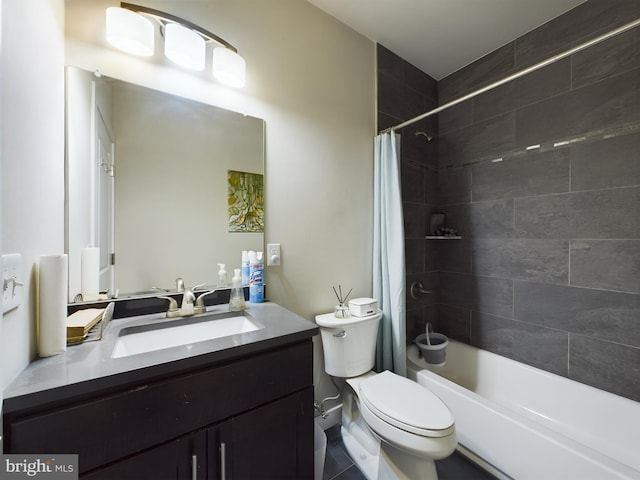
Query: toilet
x=392 y=427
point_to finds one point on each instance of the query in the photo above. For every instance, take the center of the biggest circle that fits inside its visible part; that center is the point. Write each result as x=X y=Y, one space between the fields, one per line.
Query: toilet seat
x=406 y=405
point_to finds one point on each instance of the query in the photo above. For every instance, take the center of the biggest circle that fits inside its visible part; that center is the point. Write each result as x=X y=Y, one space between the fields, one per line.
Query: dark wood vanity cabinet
x=178 y=459
x=269 y=442
x=250 y=418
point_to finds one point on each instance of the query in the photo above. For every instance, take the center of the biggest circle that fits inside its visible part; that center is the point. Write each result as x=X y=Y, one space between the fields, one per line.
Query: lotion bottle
x=236 y=299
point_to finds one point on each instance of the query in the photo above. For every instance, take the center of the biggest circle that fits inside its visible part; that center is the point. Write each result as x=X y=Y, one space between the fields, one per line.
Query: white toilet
x=392 y=427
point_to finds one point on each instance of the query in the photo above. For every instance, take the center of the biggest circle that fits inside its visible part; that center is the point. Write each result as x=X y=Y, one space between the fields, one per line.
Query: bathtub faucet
x=417 y=289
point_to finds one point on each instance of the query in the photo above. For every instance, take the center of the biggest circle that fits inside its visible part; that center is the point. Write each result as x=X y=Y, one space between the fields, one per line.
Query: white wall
x=32 y=109
x=310 y=78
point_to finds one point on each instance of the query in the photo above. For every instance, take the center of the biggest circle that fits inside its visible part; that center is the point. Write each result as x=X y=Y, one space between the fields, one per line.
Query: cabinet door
x=274 y=441
x=182 y=459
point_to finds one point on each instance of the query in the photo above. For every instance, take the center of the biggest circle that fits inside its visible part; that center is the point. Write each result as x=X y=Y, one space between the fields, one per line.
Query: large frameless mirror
x=164 y=186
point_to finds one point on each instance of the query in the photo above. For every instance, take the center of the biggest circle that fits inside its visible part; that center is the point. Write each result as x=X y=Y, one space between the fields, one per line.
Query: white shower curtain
x=388 y=255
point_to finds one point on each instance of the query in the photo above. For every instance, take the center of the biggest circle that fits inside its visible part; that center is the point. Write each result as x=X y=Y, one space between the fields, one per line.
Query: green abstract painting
x=245 y=201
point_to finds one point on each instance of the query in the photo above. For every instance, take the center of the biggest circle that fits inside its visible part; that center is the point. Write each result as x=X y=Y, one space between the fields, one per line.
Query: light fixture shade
x=184 y=46
x=130 y=32
x=229 y=67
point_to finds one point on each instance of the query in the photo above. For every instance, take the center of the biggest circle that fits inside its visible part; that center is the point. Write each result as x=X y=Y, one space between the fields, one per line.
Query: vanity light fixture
x=228 y=67
x=130 y=29
x=130 y=32
x=184 y=46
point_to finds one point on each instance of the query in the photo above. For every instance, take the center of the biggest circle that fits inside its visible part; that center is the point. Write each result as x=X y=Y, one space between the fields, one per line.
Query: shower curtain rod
x=519 y=74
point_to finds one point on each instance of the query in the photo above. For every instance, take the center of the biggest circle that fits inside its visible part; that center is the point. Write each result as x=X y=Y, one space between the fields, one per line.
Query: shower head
x=427 y=135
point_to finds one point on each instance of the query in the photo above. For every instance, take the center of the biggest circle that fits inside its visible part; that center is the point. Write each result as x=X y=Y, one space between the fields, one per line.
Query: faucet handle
x=173 y=311
x=200 y=307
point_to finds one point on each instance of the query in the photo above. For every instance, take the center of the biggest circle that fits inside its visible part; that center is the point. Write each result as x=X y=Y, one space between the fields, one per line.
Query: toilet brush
x=428 y=330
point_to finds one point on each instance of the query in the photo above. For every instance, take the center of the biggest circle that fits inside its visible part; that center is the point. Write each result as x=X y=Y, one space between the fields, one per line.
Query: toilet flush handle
x=340 y=334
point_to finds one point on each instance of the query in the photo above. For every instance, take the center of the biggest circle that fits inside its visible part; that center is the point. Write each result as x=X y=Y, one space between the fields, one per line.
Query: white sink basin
x=182 y=331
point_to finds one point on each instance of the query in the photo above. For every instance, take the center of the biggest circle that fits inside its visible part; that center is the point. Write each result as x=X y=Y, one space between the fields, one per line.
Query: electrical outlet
x=12 y=281
x=273 y=254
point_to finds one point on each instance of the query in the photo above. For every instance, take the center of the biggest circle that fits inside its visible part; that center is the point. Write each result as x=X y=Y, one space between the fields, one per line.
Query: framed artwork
x=245 y=199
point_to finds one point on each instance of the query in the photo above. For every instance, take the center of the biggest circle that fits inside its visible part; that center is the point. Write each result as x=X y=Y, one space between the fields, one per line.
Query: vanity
x=236 y=407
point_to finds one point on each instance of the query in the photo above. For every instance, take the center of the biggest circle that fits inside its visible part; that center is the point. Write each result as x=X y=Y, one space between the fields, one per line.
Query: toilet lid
x=406 y=405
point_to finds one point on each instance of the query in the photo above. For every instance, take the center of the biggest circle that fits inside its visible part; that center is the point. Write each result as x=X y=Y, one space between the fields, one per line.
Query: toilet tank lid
x=329 y=320
x=406 y=404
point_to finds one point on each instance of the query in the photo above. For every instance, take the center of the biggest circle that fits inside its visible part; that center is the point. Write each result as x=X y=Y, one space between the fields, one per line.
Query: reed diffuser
x=342 y=309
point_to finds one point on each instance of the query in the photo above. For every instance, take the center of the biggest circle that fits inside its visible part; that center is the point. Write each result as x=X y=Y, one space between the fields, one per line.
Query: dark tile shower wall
x=403 y=93
x=548 y=270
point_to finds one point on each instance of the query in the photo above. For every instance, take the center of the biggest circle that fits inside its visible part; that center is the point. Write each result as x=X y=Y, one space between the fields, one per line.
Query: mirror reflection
x=150 y=182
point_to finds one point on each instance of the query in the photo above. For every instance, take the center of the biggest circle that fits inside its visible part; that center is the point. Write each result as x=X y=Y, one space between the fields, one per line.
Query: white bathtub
x=524 y=423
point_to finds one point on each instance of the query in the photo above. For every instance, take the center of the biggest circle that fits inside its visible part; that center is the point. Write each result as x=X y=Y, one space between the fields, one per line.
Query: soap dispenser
x=222 y=275
x=236 y=299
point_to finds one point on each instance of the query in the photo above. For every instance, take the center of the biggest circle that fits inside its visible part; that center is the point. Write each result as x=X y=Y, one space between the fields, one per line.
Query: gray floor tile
x=455 y=467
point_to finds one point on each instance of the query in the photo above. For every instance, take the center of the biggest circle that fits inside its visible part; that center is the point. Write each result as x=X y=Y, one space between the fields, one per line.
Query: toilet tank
x=349 y=344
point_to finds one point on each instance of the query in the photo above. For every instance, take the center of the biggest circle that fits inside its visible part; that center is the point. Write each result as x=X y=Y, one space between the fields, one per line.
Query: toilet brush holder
x=434 y=348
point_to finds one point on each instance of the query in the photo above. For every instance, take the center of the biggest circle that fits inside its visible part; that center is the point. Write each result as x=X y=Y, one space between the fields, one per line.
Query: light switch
x=273 y=254
x=12 y=281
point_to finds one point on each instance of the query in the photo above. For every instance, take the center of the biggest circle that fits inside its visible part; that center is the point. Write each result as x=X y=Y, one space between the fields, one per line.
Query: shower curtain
x=388 y=255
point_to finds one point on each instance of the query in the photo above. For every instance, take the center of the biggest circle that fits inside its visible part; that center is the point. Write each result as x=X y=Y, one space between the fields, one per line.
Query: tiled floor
x=338 y=465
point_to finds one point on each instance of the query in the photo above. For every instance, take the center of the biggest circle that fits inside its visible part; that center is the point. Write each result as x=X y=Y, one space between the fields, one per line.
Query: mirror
x=149 y=182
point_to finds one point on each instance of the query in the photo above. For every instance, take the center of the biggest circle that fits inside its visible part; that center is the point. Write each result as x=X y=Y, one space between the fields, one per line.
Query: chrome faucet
x=185 y=310
x=190 y=305
x=188 y=299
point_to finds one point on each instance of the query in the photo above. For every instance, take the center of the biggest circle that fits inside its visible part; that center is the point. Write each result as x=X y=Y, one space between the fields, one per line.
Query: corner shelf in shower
x=442 y=237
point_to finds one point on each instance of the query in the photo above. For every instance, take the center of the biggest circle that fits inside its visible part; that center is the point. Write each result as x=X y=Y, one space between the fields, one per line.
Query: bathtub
x=524 y=423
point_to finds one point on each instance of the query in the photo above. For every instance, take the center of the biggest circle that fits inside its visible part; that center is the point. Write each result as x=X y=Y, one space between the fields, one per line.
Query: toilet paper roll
x=52 y=304
x=90 y=273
